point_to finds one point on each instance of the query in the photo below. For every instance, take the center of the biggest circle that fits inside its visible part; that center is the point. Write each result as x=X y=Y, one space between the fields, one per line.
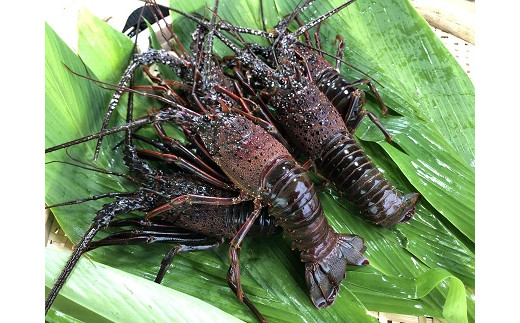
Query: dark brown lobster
x=315 y=127
x=267 y=174
x=189 y=229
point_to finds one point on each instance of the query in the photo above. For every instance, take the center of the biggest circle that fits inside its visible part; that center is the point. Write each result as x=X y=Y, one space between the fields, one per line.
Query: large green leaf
x=102 y=282
x=432 y=153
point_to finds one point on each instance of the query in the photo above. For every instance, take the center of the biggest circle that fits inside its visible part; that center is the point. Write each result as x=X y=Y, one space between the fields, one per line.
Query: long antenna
x=284 y=24
x=343 y=61
x=243 y=30
x=208 y=50
x=165 y=115
x=316 y=21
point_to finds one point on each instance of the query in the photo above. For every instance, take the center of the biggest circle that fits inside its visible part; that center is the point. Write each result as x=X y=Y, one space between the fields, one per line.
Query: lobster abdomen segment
x=295 y=204
x=364 y=185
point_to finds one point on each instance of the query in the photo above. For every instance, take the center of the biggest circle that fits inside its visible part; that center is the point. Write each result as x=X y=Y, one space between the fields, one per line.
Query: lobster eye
x=206 y=118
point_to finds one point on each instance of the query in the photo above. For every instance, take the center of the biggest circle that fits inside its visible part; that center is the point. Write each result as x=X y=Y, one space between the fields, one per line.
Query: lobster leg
x=171 y=146
x=186 y=241
x=199 y=146
x=168 y=36
x=362 y=114
x=372 y=88
x=142 y=236
x=180 y=248
x=311 y=165
x=177 y=147
x=170 y=149
x=339 y=52
x=163 y=86
x=233 y=277
x=163 y=89
x=183 y=164
x=353 y=121
x=157 y=144
x=184 y=200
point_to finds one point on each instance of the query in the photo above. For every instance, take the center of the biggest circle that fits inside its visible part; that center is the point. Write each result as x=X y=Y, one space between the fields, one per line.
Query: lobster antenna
x=208 y=50
x=91 y=198
x=111 y=86
x=344 y=62
x=182 y=115
x=233 y=30
x=81 y=247
x=120 y=89
x=139 y=20
x=93 y=169
x=284 y=23
x=227 y=26
x=202 y=22
x=236 y=30
x=222 y=37
x=316 y=21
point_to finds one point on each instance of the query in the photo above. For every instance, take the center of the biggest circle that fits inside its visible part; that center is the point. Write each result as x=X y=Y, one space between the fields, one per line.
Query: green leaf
x=93 y=283
x=398 y=291
x=431 y=166
x=432 y=120
x=95 y=37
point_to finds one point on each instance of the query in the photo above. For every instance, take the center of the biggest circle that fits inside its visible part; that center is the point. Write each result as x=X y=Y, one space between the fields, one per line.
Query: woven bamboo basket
x=452 y=22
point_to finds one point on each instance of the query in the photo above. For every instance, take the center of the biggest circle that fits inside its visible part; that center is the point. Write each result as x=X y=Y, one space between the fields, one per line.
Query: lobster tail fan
x=323 y=278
